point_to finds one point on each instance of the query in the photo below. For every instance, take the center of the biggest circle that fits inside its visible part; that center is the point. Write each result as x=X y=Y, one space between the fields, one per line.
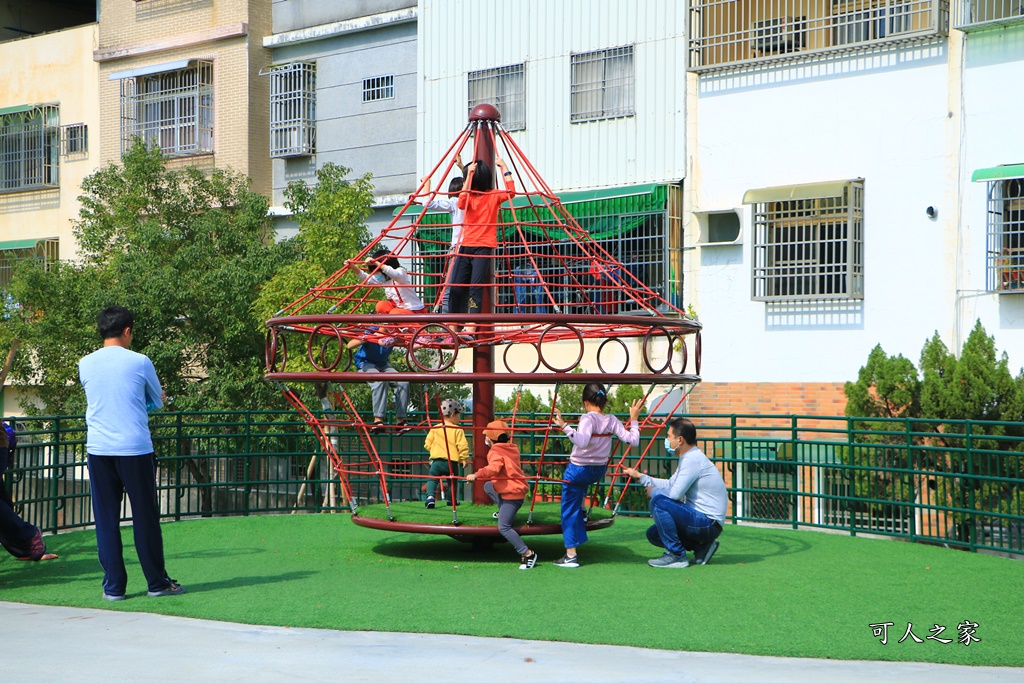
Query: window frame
x=822 y=255
x=378 y=88
x=174 y=109
x=502 y=93
x=292 y=109
x=583 y=87
x=30 y=149
x=1004 y=230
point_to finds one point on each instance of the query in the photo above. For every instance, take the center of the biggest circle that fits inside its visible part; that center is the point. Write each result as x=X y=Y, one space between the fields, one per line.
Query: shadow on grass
x=247 y=581
x=446 y=549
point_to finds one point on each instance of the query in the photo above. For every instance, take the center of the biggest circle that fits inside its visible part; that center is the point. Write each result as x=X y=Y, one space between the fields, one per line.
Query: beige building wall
x=54 y=68
x=227 y=32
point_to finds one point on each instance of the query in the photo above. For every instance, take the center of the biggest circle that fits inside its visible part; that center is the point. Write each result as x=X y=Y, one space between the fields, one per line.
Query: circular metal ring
x=270 y=350
x=696 y=353
x=322 y=365
x=276 y=343
x=540 y=347
x=684 y=352
x=625 y=350
x=504 y=357
x=647 y=354
x=445 y=332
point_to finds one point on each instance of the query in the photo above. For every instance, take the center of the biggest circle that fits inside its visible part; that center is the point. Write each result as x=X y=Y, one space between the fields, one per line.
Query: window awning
x=998 y=172
x=22 y=244
x=17 y=110
x=786 y=192
x=151 y=69
x=577 y=196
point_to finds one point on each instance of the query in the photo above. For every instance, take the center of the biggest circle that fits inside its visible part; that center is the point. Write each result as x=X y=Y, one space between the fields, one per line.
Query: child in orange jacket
x=507 y=486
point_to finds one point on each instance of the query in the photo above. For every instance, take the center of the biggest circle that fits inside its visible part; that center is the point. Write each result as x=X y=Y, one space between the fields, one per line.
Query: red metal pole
x=483 y=356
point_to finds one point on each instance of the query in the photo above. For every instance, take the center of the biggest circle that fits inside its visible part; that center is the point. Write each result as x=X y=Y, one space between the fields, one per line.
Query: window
x=808 y=242
x=74 y=140
x=505 y=88
x=379 y=88
x=725 y=34
x=857 y=22
x=28 y=148
x=603 y=84
x=632 y=225
x=1005 y=231
x=293 y=109
x=45 y=251
x=171 y=109
x=980 y=14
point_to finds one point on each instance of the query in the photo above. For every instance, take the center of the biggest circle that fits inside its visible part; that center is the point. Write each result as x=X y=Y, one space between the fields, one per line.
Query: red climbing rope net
x=554 y=296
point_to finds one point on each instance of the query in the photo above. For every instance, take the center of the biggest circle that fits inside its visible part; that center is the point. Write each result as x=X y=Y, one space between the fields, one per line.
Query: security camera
x=931 y=212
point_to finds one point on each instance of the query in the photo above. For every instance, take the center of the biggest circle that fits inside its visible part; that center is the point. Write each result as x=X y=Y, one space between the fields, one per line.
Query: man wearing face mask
x=688 y=510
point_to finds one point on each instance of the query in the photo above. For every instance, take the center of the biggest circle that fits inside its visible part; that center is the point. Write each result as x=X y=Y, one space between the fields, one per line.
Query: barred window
x=808 y=242
x=172 y=110
x=29 y=148
x=603 y=84
x=378 y=88
x=293 y=109
x=74 y=140
x=981 y=14
x=505 y=88
x=43 y=251
x=725 y=34
x=1005 y=231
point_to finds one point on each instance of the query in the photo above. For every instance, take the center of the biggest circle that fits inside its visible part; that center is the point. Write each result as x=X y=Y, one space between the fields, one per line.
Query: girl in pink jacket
x=591 y=450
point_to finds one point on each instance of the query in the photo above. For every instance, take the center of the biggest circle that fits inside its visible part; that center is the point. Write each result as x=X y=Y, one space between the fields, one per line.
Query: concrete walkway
x=64 y=644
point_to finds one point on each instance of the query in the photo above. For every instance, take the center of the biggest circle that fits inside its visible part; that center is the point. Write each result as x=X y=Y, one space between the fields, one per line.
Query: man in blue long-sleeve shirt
x=121 y=387
x=688 y=509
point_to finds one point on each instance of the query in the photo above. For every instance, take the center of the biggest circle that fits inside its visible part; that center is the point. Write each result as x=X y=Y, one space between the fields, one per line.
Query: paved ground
x=64 y=643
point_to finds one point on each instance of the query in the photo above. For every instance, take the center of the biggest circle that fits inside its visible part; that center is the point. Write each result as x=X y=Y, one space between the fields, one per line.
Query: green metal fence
x=956 y=483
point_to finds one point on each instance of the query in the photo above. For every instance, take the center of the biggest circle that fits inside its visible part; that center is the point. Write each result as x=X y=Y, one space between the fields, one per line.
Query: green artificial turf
x=767 y=592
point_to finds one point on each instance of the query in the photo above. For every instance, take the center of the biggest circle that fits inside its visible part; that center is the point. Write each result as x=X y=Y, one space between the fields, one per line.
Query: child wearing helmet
x=447 y=446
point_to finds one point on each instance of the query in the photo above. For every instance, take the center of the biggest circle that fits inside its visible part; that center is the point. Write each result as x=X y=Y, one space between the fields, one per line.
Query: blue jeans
x=110 y=478
x=577 y=479
x=679 y=527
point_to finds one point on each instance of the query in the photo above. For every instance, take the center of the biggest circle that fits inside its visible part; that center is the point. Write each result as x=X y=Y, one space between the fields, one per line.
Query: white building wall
x=891 y=117
x=459 y=37
x=881 y=118
x=993 y=102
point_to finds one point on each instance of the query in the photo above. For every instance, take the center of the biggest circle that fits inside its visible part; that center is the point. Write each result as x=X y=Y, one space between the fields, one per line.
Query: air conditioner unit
x=783 y=34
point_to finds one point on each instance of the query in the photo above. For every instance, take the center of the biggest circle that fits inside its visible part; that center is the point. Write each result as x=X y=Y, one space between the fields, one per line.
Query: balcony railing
x=977 y=15
x=726 y=33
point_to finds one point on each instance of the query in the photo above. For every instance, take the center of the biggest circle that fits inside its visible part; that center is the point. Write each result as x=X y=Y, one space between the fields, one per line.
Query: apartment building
x=343 y=89
x=49 y=122
x=592 y=94
x=185 y=75
x=832 y=151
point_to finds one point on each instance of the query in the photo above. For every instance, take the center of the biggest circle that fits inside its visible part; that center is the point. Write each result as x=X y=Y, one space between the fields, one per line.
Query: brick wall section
x=241 y=95
x=768 y=398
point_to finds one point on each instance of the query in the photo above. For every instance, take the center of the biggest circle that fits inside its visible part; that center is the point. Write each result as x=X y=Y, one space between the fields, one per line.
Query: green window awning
x=998 y=172
x=783 y=193
x=17 y=110
x=603 y=213
x=21 y=244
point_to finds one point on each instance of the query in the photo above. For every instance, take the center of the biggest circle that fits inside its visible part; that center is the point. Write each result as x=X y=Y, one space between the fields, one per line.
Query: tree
x=332 y=228
x=188 y=252
x=887 y=386
x=974 y=391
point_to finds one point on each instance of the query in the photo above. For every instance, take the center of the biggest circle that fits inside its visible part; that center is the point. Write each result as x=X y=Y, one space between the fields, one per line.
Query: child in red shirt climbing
x=472 y=265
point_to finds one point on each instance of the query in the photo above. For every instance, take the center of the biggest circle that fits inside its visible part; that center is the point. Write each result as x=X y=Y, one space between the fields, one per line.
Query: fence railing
x=957 y=483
